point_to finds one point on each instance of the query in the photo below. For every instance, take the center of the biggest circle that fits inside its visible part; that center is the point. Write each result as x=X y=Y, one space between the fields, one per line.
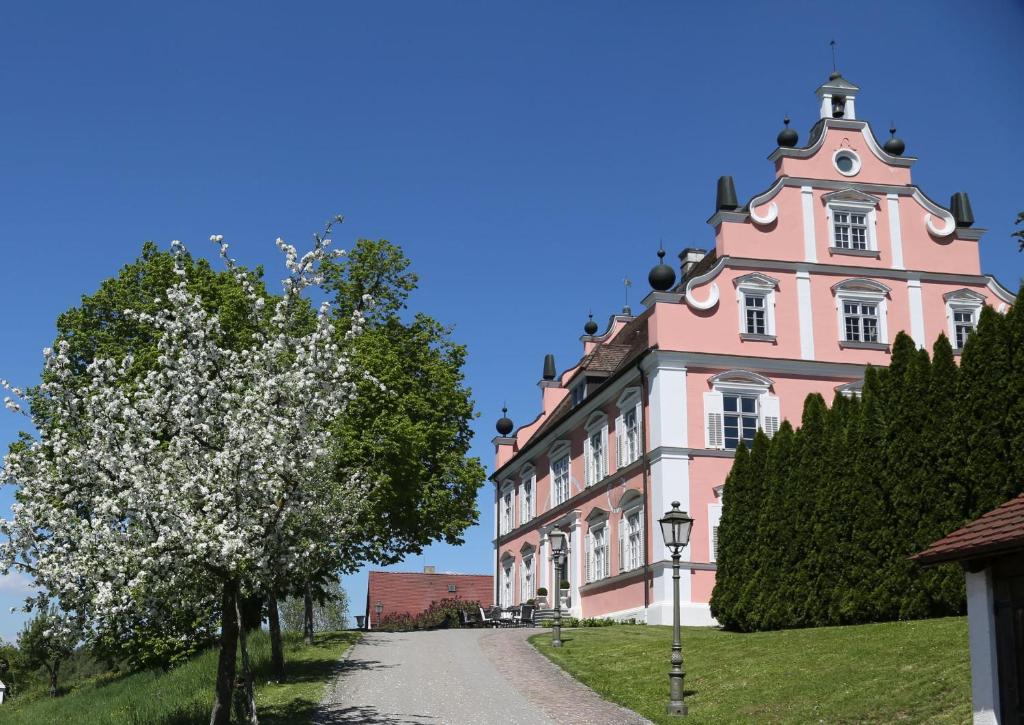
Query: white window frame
x=862 y=291
x=631 y=543
x=527 y=577
x=851 y=201
x=626 y=451
x=738 y=382
x=527 y=502
x=714 y=519
x=759 y=285
x=506 y=590
x=558 y=453
x=506 y=514
x=597 y=427
x=598 y=558
x=962 y=300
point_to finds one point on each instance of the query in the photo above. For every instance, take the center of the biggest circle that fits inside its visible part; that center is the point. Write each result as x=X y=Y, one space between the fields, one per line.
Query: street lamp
x=556 y=537
x=379 y=608
x=675 y=528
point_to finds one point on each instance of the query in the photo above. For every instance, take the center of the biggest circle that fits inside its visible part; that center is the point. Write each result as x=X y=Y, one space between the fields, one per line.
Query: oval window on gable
x=846 y=162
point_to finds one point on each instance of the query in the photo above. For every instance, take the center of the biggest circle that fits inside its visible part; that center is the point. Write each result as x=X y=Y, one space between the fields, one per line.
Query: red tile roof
x=999 y=531
x=411 y=593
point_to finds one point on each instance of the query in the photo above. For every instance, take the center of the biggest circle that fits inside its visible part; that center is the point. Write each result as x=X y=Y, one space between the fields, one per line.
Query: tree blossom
x=210 y=469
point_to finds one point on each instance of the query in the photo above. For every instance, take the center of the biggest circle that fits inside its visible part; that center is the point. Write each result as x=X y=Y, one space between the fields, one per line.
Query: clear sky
x=527 y=156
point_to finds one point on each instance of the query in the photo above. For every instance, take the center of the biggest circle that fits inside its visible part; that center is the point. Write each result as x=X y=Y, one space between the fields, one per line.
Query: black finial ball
x=591 y=327
x=661 y=276
x=894 y=146
x=835 y=75
x=504 y=425
x=787 y=137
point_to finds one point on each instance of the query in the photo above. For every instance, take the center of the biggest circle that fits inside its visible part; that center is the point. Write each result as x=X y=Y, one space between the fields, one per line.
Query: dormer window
x=963 y=308
x=579 y=393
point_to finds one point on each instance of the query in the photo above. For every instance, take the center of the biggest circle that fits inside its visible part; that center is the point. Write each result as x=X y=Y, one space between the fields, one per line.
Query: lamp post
x=675 y=528
x=557 y=539
x=379 y=607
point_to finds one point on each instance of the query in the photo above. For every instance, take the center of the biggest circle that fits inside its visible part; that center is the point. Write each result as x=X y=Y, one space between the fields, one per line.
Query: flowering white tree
x=210 y=468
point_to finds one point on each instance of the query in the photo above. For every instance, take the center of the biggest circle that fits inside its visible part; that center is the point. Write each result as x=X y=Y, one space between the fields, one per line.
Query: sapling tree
x=47 y=640
x=208 y=471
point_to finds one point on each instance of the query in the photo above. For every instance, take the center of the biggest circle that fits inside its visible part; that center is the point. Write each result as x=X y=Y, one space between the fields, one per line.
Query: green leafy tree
x=46 y=643
x=735 y=539
x=1019 y=234
x=329 y=615
x=414 y=433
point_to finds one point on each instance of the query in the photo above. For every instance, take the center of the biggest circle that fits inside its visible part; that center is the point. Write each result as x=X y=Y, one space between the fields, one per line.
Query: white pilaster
x=981 y=636
x=810 y=243
x=576 y=609
x=916 y=311
x=666 y=373
x=895 y=232
x=805 y=313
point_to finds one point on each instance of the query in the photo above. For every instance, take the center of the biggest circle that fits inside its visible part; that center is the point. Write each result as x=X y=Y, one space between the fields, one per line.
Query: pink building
x=807 y=284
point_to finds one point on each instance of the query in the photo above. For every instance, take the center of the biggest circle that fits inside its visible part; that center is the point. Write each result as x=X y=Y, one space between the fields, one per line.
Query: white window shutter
x=622 y=544
x=607 y=559
x=620 y=441
x=604 y=458
x=714 y=434
x=588 y=462
x=588 y=557
x=770 y=414
x=714 y=543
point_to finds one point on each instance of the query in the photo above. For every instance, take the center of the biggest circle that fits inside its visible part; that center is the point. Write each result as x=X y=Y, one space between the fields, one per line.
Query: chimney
x=689 y=258
x=725 y=198
x=960 y=206
x=428 y=570
x=549 y=367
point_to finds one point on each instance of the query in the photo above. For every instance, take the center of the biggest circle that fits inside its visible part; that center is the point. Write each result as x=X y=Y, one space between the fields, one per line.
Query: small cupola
x=591 y=327
x=787 y=137
x=661 y=276
x=504 y=425
x=837 y=95
x=894 y=146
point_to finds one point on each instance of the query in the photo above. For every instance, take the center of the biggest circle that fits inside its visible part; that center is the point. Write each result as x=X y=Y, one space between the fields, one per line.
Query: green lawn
x=185 y=694
x=914 y=672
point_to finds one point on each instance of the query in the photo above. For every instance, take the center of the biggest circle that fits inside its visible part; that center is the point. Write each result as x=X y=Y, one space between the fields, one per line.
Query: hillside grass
x=915 y=672
x=185 y=694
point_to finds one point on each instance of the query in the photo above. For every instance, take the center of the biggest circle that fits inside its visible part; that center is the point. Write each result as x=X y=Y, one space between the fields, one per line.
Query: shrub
x=441 y=614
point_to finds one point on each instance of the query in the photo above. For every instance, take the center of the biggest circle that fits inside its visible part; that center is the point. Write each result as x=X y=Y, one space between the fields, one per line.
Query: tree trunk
x=53 y=678
x=248 y=696
x=276 y=648
x=307 y=619
x=221 y=713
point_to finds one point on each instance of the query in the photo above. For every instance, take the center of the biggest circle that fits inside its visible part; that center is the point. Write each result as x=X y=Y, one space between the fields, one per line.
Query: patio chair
x=526 y=616
x=489 y=618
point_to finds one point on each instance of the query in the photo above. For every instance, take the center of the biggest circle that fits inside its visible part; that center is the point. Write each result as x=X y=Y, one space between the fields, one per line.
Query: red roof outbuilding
x=412 y=593
x=1000 y=531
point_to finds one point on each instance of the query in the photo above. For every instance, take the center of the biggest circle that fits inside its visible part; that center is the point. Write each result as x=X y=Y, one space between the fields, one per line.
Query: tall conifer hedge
x=819 y=522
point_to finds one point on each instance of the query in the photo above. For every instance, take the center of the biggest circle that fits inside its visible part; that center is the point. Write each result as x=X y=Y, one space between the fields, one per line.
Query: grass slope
x=877 y=673
x=185 y=694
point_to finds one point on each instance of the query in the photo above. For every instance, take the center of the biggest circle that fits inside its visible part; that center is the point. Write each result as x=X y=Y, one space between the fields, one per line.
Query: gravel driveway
x=460 y=677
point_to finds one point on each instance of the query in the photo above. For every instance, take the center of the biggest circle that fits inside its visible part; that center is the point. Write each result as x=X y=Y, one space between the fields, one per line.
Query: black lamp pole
x=675 y=528
x=557 y=539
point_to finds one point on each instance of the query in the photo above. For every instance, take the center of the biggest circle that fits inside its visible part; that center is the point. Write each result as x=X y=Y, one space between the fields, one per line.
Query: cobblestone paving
x=460 y=677
x=563 y=698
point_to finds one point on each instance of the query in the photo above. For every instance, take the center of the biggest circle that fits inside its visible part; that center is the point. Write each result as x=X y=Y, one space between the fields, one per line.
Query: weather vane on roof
x=833 y=44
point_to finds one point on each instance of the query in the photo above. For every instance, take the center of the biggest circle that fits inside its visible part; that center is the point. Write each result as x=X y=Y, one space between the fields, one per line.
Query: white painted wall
x=981 y=633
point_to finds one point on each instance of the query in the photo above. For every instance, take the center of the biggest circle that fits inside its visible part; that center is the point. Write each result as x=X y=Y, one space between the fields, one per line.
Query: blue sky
x=527 y=156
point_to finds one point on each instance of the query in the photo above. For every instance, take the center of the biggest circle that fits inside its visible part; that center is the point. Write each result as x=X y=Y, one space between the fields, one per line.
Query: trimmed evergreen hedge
x=819 y=522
